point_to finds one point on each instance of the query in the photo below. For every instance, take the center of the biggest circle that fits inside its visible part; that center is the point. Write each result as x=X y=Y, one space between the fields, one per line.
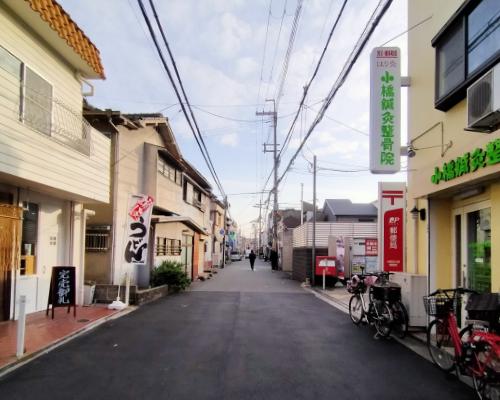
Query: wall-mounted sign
x=222 y=231
x=137 y=225
x=385 y=110
x=62 y=291
x=391 y=226
x=231 y=234
x=468 y=163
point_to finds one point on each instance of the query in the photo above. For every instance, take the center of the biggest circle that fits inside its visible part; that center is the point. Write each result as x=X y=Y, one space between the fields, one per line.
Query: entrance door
x=187 y=254
x=472 y=247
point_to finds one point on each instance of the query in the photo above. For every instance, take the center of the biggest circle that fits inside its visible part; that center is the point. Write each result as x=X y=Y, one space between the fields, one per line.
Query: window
x=451 y=61
x=169 y=171
x=97 y=239
x=37 y=103
x=29 y=94
x=466 y=48
x=167 y=247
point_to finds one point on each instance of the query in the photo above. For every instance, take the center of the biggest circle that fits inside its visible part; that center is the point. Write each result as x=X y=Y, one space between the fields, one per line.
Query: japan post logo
x=393 y=220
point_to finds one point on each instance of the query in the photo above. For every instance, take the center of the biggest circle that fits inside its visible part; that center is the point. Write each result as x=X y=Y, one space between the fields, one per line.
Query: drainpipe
x=415 y=240
x=114 y=194
x=83 y=226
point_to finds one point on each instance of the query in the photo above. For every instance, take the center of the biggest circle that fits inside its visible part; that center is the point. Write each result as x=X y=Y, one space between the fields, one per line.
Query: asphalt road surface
x=241 y=335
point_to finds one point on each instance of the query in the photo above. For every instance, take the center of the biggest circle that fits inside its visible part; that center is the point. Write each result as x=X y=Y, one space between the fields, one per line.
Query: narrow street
x=240 y=335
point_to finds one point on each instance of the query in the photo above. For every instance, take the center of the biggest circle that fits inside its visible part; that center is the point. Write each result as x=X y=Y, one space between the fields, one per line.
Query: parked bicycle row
x=473 y=351
x=384 y=307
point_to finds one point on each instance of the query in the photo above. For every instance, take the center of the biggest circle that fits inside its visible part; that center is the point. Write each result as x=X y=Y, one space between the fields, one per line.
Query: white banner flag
x=138 y=220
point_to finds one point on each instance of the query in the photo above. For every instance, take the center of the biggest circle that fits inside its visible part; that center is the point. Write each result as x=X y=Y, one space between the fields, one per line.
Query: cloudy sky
x=230 y=60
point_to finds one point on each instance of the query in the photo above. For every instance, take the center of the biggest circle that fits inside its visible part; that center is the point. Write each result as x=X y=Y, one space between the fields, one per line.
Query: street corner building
x=454 y=143
x=52 y=160
x=149 y=173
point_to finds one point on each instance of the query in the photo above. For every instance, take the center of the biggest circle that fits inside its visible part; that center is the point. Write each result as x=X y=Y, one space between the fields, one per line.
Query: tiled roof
x=342 y=207
x=61 y=22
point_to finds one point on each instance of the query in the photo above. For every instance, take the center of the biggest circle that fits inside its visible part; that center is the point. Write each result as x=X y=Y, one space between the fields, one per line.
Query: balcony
x=199 y=205
x=46 y=115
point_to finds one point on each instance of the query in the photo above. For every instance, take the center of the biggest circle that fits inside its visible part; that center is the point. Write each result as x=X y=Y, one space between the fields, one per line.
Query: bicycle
x=473 y=352
x=392 y=295
x=376 y=311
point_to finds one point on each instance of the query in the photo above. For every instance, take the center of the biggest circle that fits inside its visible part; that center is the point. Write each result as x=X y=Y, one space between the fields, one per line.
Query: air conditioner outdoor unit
x=483 y=102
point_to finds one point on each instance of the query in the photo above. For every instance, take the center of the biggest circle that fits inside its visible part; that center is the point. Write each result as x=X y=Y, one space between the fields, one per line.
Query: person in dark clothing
x=274 y=260
x=251 y=257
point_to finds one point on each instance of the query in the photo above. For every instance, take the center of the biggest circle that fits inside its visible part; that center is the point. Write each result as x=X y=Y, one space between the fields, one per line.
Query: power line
x=377 y=15
x=338 y=122
x=284 y=69
x=306 y=88
x=153 y=36
x=264 y=54
x=408 y=30
x=227 y=118
x=276 y=50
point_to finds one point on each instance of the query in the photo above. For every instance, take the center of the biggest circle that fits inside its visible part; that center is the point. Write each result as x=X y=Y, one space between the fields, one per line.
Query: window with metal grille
x=167 y=247
x=97 y=239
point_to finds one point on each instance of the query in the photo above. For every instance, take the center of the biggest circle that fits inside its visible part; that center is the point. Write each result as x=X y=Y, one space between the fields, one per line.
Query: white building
x=51 y=160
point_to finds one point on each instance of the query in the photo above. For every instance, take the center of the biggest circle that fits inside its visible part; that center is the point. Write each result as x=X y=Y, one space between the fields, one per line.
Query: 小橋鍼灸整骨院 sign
x=385 y=110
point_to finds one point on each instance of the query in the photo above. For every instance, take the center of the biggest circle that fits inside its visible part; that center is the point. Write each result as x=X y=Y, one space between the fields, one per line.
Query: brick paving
x=42 y=330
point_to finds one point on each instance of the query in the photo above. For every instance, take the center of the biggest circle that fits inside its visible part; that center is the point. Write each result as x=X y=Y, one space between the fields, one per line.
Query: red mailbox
x=327 y=264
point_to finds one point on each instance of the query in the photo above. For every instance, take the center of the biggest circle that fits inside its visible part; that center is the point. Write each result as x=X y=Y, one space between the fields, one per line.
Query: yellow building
x=455 y=139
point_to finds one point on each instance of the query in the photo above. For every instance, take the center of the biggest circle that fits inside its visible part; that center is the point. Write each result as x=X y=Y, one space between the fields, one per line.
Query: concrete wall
x=302 y=261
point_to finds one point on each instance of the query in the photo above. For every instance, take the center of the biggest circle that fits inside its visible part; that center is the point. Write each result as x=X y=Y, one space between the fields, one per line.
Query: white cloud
x=230 y=139
x=246 y=66
x=226 y=35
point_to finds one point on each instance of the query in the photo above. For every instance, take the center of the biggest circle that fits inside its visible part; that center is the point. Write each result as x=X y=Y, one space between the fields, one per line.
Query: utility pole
x=314 y=224
x=260 y=225
x=301 y=204
x=275 y=188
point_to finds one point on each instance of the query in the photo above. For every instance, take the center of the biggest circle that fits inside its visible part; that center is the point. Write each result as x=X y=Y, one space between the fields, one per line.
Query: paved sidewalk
x=43 y=331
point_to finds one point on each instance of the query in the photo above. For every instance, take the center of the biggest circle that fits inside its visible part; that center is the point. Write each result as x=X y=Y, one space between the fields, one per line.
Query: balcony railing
x=199 y=204
x=46 y=115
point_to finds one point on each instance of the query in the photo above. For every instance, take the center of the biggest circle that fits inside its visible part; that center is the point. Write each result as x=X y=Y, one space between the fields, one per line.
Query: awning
x=161 y=219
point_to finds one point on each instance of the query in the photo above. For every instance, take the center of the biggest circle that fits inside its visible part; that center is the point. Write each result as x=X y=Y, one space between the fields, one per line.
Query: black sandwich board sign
x=62 y=289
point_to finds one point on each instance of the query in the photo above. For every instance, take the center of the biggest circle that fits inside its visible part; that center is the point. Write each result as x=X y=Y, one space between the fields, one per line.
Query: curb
x=333 y=299
x=6 y=369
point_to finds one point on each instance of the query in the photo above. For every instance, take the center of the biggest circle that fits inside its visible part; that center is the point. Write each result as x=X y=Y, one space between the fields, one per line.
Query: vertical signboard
x=385 y=110
x=137 y=225
x=62 y=289
x=392 y=226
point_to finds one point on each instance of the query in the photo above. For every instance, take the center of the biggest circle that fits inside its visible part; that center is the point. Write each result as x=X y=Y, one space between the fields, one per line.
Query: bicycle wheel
x=383 y=321
x=356 y=311
x=399 y=320
x=440 y=345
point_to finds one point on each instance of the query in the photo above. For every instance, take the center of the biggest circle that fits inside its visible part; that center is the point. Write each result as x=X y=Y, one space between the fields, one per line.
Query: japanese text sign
x=385 y=110
x=62 y=288
x=391 y=226
x=137 y=225
x=371 y=247
x=468 y=163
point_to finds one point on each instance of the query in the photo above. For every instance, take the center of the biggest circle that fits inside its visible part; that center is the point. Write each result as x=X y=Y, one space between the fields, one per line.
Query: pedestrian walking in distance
x=251 y=257
x=274 y=260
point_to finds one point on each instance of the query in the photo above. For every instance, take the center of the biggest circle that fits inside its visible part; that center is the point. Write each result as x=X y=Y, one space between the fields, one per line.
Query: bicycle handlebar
x=460 y=290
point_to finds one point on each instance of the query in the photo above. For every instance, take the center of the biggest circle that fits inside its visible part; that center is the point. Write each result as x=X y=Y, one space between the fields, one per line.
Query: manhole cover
x=82 y=320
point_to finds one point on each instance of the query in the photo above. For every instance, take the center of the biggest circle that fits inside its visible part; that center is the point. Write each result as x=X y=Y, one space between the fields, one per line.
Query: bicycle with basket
x=475 y=350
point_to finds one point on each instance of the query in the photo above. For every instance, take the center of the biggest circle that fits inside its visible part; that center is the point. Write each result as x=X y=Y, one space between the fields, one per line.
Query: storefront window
x=479 y=250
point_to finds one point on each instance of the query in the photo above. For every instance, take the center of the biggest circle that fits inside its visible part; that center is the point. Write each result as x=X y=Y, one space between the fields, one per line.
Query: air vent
x=483 y=102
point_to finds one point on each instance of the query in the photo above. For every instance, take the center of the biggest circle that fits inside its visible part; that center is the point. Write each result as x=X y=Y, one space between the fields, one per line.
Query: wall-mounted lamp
x=444 y=146
x=415 y=213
